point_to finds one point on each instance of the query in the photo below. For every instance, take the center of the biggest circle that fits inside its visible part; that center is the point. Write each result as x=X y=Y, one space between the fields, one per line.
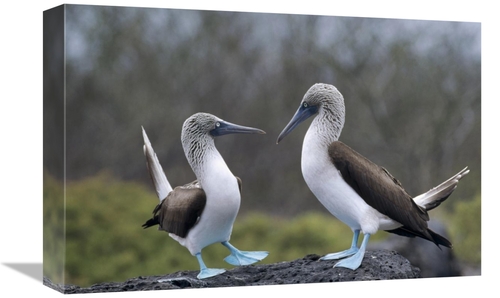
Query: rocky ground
x=377 y=265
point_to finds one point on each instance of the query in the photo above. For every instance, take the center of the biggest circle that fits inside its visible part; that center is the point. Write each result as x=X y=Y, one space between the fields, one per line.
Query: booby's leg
x=354 y=261
x=206 y=272
x=239 y=258
x=339 y=255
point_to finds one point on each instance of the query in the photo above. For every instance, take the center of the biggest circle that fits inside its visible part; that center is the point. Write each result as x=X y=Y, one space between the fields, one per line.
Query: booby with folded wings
x=202 y=212
x=358 y=192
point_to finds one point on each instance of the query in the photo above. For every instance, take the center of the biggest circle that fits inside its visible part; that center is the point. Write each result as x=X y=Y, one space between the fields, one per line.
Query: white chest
x=222 y=206
x=326 y=183
x=221 y=187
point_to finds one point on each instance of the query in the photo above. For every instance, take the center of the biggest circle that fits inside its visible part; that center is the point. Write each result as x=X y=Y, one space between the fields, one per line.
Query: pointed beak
x=302 y=114
x=225 y=128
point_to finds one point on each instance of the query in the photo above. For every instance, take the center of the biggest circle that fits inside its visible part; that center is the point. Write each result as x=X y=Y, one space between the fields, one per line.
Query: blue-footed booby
x=355 y=190
x=202 y=212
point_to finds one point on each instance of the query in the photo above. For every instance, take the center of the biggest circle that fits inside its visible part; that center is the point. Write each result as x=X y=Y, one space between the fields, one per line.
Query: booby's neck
x=326 y=126
x=204 y=159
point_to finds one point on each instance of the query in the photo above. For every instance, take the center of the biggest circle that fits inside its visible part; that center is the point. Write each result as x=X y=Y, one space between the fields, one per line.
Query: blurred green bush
x=465 y=230
x=105 y=241
x=53 y=229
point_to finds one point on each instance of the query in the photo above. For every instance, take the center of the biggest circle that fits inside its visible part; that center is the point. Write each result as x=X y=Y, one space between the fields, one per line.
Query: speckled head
x=321 y=99
x=325 y=95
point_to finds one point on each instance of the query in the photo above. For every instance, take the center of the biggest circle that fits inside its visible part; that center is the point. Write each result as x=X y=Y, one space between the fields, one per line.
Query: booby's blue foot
x=206 y=272
x=240 y=258
x=339 y=255
x=349 y=252
x=354 y=262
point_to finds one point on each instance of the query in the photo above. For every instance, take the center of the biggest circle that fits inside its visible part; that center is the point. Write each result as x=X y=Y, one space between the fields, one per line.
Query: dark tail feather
x=439 y=240
x=151 y=222
x=431 y=236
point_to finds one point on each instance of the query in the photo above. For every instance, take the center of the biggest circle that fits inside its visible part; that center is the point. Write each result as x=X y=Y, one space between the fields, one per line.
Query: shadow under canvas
x=33 y=270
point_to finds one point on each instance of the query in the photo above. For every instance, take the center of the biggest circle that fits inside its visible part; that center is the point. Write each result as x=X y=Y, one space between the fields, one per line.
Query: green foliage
x=53 y=229
x=105 y=241
x=465 y=229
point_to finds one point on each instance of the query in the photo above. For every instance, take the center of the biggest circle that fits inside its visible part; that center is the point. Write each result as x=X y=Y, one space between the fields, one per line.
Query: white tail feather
x=160 y=182
x=435 y=196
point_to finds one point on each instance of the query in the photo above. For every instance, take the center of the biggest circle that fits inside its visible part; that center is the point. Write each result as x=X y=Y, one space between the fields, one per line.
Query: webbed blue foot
x=240 y=258
x=355 y=260
x=206 y=272
x=339 y=255
x=349 y=252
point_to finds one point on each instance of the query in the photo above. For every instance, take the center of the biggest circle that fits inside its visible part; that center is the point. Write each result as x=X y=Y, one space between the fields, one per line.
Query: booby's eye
x=217 y=124
x=305 y=105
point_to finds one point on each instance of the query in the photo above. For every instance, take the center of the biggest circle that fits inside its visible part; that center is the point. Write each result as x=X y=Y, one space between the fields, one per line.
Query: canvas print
x=196 y=148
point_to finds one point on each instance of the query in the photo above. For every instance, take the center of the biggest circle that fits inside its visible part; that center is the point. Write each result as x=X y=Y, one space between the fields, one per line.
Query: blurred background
x=413 y=105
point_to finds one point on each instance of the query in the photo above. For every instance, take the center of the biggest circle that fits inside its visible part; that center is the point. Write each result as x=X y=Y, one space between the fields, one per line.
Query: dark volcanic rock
x=377 y=265
x=428 y=257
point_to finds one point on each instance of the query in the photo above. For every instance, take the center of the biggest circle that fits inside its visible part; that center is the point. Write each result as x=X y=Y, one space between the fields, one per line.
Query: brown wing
x=380 y=190
x=180 y=210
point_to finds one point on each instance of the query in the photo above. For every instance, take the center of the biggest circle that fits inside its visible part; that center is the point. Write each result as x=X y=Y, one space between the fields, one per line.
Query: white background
x=21 y=140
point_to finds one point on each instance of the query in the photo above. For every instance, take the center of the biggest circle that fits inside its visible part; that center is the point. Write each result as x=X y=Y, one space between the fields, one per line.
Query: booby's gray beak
x=224 y=128
x=303 y=112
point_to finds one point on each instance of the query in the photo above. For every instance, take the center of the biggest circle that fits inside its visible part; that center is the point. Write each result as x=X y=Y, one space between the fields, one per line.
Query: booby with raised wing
x=355 y=190
x=202 y=212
